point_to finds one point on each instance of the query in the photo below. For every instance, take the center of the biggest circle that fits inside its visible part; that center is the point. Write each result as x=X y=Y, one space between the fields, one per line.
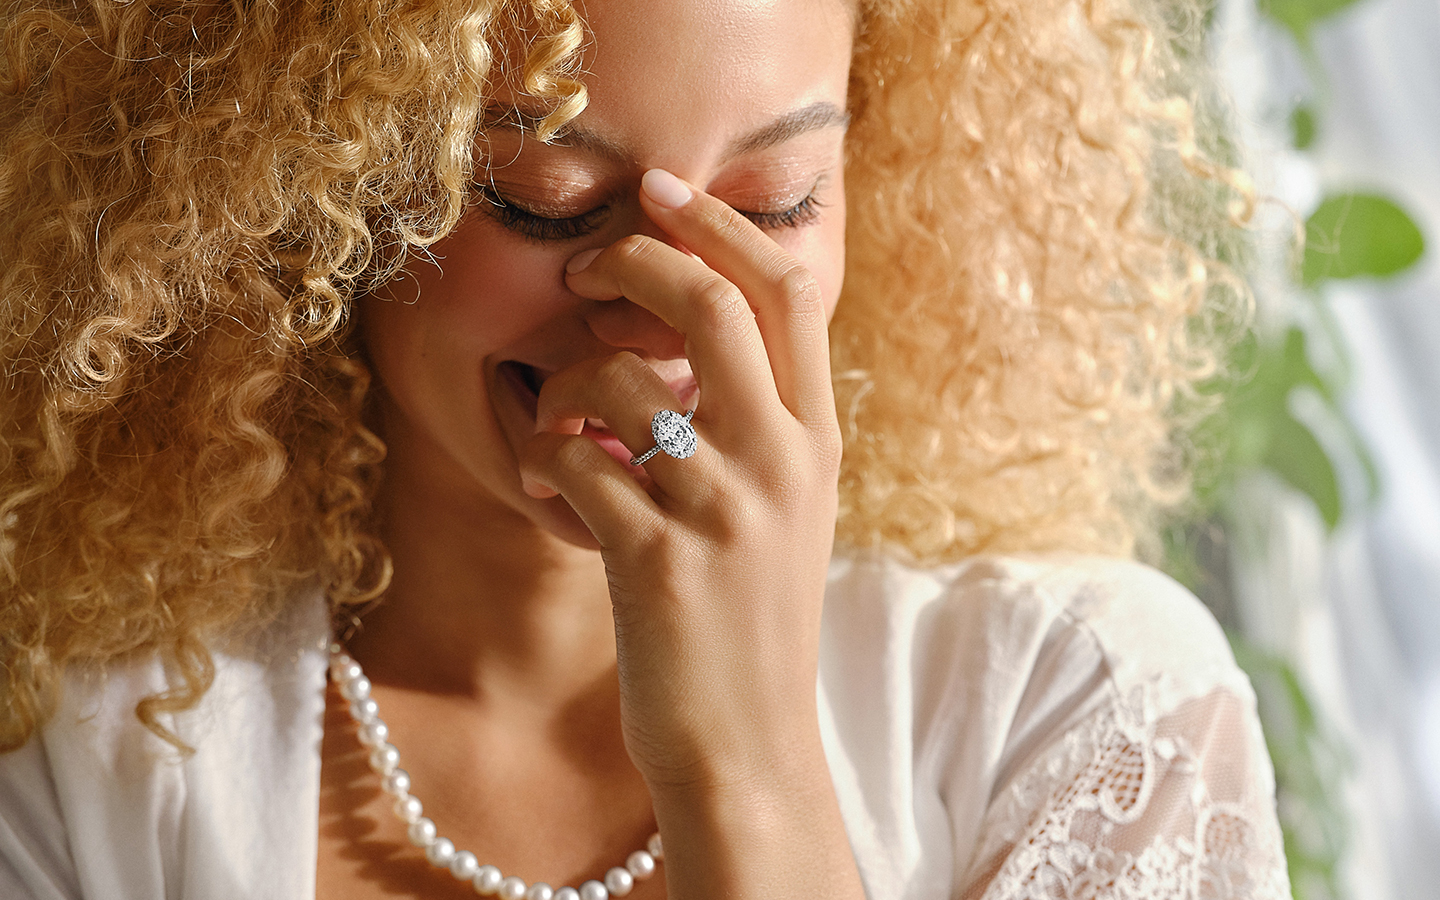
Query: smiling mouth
x=525 y=381
x=529 y=376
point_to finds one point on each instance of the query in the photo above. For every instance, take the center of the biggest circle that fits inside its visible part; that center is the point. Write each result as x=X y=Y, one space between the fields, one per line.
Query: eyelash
x=544 y=228
x=798 y=216
x=541 y=228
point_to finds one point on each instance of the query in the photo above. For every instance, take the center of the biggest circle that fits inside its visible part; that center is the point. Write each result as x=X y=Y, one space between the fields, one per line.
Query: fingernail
x=665 y=189
x=579 y=261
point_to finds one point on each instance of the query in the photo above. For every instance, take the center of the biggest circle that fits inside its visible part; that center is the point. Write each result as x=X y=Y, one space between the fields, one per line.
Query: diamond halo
x=673 y=434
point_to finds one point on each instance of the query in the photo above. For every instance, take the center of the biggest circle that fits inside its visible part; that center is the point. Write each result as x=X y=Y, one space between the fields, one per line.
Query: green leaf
x=1300 y=15
x=1358 y=234
x=1295 y=368
x=1296 y=456
x=1305 y=719
x=1257 y=407
x=1302 y=127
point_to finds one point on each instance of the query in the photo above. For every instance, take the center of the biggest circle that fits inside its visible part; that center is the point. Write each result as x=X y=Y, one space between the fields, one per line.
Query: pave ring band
x=673 y=433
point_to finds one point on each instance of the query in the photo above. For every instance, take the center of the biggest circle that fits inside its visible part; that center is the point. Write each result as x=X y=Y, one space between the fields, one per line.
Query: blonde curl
x=1034 y=296
x=194 y=191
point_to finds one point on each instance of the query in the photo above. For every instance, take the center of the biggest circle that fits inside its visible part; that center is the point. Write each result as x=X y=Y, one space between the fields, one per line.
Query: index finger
x=788 y=305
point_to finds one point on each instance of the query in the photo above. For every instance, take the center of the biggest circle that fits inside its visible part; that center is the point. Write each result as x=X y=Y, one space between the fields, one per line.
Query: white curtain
x=1359 y=611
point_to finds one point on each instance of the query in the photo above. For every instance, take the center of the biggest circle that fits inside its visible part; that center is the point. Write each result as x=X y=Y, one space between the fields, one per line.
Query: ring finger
x=624 y=394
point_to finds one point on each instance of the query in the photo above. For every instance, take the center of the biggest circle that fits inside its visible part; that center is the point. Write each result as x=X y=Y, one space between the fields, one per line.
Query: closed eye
x=806 y=212
x=536 y=227
x=532 y=225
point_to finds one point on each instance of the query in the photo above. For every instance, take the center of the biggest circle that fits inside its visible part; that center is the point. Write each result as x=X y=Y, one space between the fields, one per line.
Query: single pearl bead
x=640 y=864
x=464 y=865
x=396 y=783
x=619 y=882
x=512 y=888
x=365 y=711
x=593 y=890
x=440 y=852
x=567 y=893
x=487 y=880
x=421 y=832
x=374 y=733
x=540 y=891
x=409 y=809
x=384 y=759
x=345 y=669
x=654 y=846
x=357 y=688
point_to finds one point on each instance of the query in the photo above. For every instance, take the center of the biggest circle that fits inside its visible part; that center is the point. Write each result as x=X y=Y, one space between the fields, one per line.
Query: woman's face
x=744 y=99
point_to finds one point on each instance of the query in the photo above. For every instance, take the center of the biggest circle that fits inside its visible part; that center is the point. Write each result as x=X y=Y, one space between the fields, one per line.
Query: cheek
x=475 y=289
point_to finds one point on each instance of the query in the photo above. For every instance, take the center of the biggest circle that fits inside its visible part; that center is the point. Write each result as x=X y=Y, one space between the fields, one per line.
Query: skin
x=608 y=649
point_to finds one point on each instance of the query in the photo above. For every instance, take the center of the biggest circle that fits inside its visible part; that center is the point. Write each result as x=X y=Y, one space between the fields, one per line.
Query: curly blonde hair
x=1034 y=293
x=196 y=189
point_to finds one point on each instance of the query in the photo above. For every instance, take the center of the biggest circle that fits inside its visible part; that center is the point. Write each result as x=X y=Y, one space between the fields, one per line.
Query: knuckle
x=654 y=549
x=724 y=221
x=799 y=287
x=719 y=303
x=786 y=482
x=793 y=483
x=573 y=453
x=633 y=247
x=653 y=543
x=737 y=518
x=620 y=370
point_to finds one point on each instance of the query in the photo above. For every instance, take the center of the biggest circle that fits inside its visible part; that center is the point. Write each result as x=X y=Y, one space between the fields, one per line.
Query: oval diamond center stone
x=673 y=434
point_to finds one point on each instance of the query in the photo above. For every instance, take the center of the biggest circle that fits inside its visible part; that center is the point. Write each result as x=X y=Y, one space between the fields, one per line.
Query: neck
x=484 y=603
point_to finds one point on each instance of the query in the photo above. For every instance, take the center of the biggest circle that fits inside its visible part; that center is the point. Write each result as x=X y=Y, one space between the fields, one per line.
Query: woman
x=336 y=336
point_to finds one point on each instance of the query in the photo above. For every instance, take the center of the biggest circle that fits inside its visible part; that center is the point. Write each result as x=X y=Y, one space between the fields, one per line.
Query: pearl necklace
x=487 y=880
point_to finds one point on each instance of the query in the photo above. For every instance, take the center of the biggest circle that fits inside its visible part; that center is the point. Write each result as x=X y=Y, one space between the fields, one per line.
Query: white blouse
x=1040 y=727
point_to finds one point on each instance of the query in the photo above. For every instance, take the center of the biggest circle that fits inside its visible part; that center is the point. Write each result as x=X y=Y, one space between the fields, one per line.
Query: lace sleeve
x=1134 y=804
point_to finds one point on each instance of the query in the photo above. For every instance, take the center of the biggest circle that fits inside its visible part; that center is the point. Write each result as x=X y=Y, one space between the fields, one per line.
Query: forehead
x=661 y=71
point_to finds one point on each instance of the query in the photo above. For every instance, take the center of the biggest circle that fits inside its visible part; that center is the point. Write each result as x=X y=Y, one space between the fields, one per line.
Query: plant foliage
x=1351 y=235
x=1287 y=418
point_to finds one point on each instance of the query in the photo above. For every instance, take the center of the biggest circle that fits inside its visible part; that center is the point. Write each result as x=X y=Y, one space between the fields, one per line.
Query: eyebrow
x=815 y=117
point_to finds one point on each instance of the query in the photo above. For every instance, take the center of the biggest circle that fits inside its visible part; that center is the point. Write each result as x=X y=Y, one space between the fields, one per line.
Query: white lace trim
x=1131 y=804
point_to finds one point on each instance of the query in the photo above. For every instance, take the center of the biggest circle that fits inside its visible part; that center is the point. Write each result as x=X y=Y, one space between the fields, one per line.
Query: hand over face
x=717 y=562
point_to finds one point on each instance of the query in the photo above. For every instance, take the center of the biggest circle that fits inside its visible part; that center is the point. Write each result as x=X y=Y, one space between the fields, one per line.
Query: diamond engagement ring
x=673 y=433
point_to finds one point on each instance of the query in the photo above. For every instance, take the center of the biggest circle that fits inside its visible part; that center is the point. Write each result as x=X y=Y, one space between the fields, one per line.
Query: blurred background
x=1318 y=538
